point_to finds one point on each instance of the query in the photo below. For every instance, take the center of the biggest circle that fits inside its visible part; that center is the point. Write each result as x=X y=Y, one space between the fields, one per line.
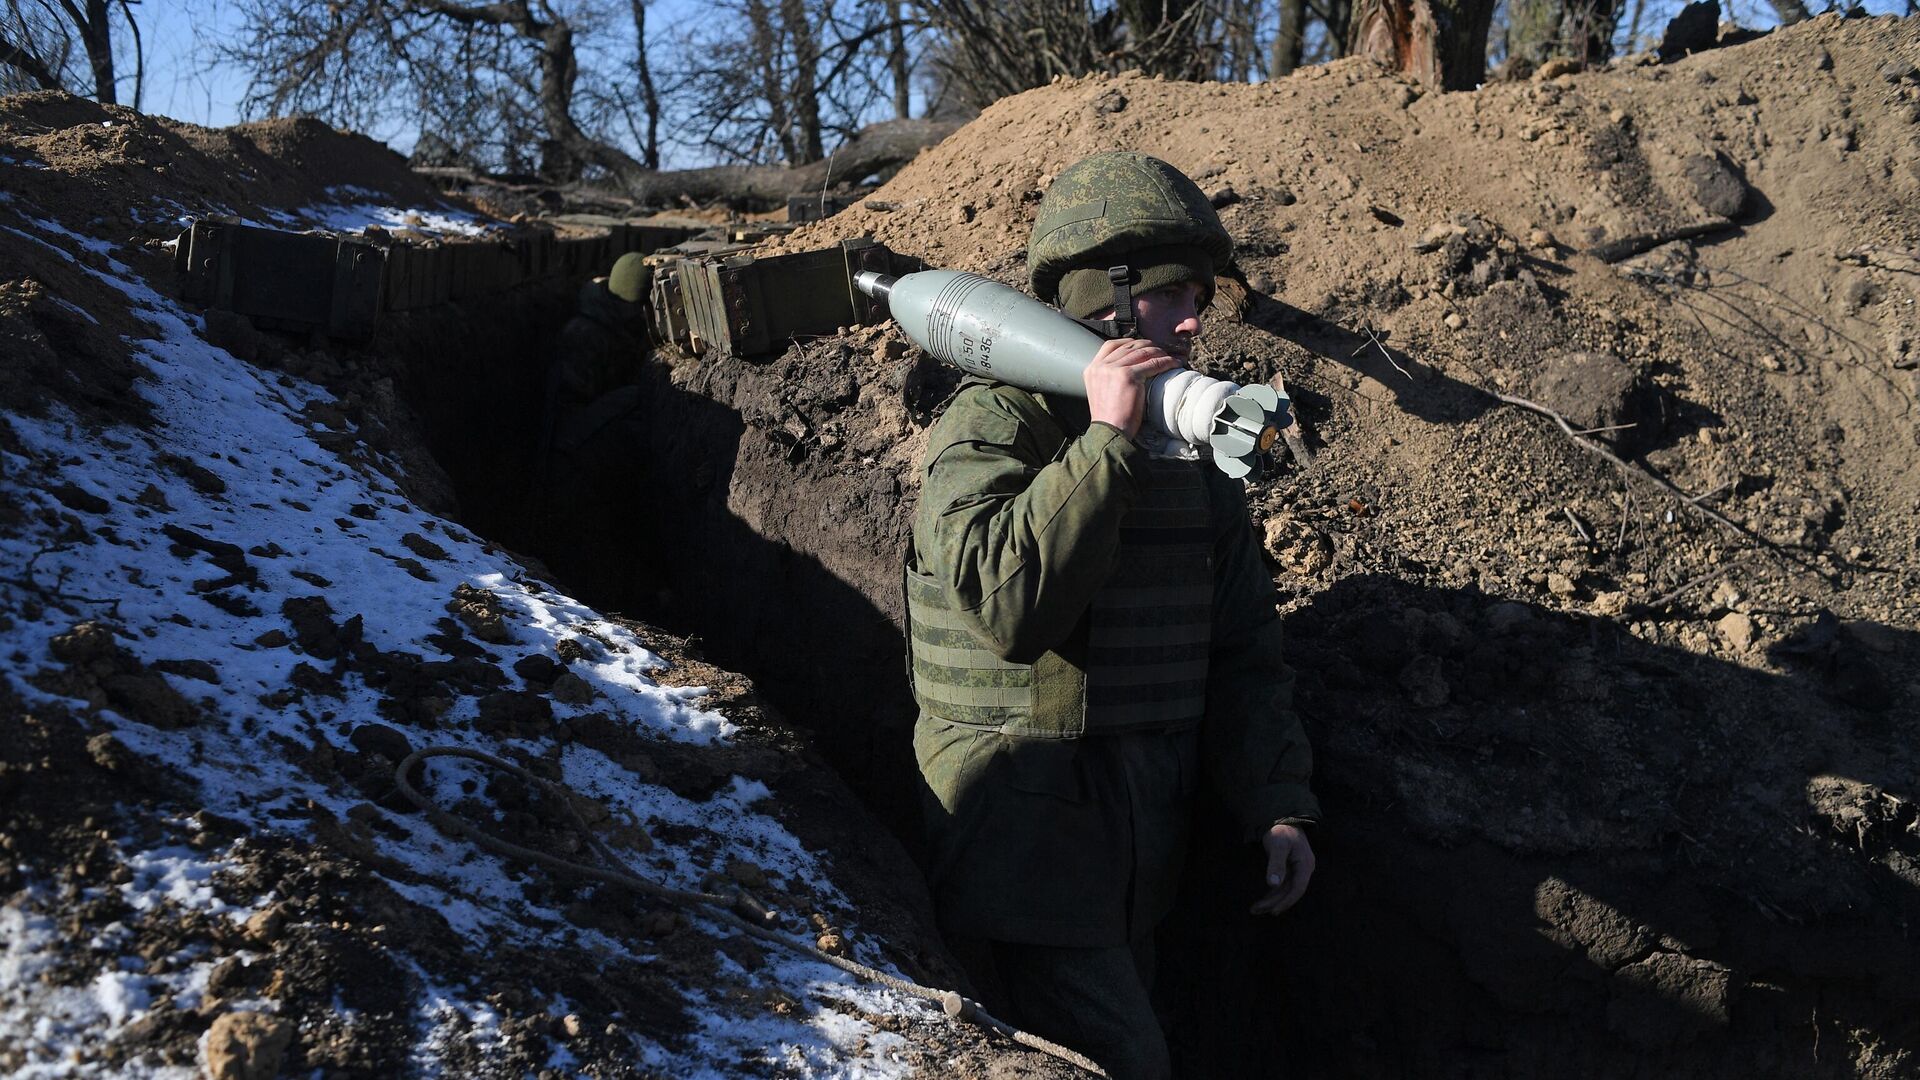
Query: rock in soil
x=247 y=1046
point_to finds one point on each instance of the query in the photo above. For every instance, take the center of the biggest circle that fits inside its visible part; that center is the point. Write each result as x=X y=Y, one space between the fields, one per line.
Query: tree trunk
x=1339 y=27
x=1595 y=25
x=97 y=35
x=1290 y=44
x=1148 y=24
x=1533 y=29
x=897 y=63
x=649 y=97
x=1243 y=16
x=1793 y=11
x=767 y=67
x=1442 y=43
x=806 y=69
x=558 y=70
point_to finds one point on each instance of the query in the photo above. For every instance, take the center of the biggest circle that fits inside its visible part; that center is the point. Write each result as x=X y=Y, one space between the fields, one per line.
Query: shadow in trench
x=1556 y=850
x=654 y=537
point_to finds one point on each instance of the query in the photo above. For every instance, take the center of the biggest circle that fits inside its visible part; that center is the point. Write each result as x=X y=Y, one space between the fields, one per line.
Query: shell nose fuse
x=985 y=328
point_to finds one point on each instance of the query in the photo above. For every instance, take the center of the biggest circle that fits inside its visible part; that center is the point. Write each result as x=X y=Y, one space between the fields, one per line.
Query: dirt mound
x=114 y=173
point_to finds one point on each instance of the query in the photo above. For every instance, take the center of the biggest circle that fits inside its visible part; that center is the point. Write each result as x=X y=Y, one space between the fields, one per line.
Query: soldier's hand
x=1289 y=868
x=1117 y=381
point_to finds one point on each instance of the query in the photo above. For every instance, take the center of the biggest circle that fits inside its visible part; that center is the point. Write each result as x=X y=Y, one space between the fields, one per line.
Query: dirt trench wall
x=729 y=525
x=779 y=507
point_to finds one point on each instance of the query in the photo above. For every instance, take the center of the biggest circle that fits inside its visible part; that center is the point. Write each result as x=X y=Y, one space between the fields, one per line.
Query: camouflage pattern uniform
x=1093 y=638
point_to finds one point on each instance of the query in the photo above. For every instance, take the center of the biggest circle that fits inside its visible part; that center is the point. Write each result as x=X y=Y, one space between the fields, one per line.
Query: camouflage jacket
x=1022 y=530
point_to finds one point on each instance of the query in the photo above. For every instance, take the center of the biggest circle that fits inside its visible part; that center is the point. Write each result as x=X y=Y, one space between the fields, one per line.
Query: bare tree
x=1290 y=41
x=504 y=72
x=1336 y=18
x=649 y=94
x=986 y=50
x=898 y=67
x=803 y=141
x=1239 y=32
x=37 y=47
x=780 y=80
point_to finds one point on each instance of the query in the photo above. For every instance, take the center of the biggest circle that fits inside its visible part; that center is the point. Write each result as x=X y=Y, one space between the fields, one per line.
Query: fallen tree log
x=873 y=149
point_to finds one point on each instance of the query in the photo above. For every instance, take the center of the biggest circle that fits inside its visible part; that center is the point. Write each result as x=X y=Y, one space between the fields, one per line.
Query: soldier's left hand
x=1289 y=868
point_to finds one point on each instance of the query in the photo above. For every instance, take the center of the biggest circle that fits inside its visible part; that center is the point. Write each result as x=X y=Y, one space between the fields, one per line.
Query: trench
x=1411 y=956
x=757 y=597
x=644 y=530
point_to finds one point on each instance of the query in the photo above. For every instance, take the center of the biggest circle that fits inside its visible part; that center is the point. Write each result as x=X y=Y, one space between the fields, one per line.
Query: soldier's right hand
x=1117 y=380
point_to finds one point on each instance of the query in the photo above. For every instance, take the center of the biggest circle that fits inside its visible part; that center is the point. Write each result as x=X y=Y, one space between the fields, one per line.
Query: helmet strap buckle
x=1121 y=278
x=1123 y=323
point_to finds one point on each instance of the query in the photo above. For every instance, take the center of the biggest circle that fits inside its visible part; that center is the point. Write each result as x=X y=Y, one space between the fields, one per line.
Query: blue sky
x=183 y=81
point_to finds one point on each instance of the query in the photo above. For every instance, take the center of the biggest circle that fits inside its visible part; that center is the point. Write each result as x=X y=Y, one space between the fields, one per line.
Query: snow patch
x=356 y=208
x=313 y=524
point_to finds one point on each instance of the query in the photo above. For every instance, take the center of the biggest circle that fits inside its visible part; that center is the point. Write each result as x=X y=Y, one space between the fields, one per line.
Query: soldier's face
x=1170 y=316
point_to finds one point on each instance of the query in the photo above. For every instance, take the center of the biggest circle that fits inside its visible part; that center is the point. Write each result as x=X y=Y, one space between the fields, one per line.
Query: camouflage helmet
x=1104 y=207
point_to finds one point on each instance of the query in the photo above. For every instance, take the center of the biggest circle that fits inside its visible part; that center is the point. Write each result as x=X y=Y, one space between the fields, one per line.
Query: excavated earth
x=1618 y=759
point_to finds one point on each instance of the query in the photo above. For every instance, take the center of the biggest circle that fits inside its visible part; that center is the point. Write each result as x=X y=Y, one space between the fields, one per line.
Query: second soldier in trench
x=589 y=473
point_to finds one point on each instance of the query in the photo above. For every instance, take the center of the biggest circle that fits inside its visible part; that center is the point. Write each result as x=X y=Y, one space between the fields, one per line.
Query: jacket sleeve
x=1254 y=748
x=1021 y=533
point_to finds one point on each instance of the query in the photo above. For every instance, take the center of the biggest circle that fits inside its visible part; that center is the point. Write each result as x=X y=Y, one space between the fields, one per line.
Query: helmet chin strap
x=1123 y=324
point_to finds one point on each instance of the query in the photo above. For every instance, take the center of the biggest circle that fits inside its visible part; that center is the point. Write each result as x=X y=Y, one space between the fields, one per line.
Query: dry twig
x=30 y=582
x=1574 y=520
x=1625 y=465
x=1684 y=588
x=1373 y=338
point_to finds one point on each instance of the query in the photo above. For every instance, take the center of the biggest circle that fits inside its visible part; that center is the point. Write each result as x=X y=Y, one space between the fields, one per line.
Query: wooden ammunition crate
x=748 y=306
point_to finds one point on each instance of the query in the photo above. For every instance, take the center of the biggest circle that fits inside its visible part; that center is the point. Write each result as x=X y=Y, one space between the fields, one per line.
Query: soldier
x=601 y=350
x=592 y=442
x=1093 y=637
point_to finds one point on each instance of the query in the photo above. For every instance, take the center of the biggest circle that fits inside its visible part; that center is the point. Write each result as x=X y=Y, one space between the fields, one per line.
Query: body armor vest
x=1136 y=662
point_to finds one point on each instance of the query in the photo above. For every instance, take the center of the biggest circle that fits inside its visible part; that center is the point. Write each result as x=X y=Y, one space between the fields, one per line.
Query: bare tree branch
x=28 y=64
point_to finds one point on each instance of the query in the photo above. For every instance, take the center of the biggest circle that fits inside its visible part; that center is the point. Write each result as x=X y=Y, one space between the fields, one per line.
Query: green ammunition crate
x=747 y=306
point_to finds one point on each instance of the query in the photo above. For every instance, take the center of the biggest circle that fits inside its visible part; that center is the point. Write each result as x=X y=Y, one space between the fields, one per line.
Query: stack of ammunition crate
x=341 y=286
x=711 y=296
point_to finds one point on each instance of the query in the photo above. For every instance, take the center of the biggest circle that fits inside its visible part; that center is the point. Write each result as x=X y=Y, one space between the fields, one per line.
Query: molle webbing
x=1152 y=624
x=958 y=679
x=1147 y=635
